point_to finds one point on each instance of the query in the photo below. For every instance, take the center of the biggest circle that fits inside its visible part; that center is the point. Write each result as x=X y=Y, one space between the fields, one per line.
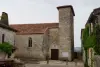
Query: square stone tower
x=66 y=32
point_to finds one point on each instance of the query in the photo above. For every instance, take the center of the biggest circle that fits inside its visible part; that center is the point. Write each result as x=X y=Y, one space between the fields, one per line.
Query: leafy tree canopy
x=6 y=47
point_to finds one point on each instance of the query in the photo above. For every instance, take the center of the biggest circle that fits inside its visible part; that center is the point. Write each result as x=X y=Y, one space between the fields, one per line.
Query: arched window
x=30 y=42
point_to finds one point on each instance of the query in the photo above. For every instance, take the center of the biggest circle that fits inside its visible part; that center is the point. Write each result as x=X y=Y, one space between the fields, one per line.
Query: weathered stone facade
x=34 y=52
x=47 y=37
x=9 y=36
x=66 y=34
x=53 y=39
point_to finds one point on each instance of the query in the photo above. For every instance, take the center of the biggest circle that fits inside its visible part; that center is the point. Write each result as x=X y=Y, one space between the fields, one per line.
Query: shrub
x=6 y=47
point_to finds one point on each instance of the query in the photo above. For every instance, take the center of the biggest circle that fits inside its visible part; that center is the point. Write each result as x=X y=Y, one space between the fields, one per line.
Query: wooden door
x=54 y=54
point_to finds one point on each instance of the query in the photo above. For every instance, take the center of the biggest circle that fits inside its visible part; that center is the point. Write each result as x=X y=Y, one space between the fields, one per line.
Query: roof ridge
x=35 y=23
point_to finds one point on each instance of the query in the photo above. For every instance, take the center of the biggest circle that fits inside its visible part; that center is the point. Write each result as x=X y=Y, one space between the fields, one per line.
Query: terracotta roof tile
x=33 y=28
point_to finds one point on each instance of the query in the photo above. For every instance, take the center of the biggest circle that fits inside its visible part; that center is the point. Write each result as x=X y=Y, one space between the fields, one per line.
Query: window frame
x=29 y=42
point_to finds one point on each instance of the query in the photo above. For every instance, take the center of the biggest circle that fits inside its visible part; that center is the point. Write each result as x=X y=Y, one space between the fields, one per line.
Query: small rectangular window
x=3 y=38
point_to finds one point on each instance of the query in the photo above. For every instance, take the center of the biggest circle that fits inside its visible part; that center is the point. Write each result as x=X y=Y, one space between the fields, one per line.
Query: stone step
x=48 y=65
x=68 y=64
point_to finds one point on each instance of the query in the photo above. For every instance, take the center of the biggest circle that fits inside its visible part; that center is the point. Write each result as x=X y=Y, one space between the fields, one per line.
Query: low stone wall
x=97 y=61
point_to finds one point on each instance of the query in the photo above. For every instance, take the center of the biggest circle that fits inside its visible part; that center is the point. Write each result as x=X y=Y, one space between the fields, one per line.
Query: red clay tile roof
x=33 y=28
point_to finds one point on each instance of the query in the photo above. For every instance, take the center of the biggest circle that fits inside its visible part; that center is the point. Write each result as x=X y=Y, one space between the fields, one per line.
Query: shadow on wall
x=77 y=53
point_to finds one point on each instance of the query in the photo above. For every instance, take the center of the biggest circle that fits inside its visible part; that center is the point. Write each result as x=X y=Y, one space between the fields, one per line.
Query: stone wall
x=9 y=36
x=24 y=51
x=46 y=46
x=40 y=44
x=53 y=39
x=66 y=32
x=98 y=20
x=90 y=57
x=97 y=61
x=84 y=57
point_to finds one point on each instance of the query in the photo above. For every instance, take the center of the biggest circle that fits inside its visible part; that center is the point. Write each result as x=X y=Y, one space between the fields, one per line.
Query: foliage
x=6 y=47
x=84 y=41
x=89 y=40
x=97 y=46
x=85 y=37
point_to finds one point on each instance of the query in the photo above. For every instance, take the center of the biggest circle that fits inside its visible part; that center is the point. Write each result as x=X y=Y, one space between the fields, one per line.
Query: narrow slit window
x=30 y=42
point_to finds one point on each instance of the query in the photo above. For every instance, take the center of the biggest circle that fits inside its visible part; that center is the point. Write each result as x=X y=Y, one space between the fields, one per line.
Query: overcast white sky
x=44 y=11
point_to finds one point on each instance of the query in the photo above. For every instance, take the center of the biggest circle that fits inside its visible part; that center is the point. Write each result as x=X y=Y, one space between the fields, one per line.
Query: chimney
x=66 y=31
x=4 y=18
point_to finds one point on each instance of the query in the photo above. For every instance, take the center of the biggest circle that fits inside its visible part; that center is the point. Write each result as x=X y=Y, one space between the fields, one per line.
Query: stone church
x=37 y=41
x=56 y=40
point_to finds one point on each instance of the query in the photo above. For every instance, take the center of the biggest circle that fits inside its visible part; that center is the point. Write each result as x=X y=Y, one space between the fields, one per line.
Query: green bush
x=6 y=47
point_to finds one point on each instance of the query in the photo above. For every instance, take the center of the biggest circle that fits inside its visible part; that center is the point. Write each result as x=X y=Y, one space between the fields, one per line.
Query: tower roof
x=67 y=6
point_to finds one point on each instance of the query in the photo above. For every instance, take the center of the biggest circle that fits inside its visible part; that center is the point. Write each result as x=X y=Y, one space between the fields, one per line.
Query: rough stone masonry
x=57 y=38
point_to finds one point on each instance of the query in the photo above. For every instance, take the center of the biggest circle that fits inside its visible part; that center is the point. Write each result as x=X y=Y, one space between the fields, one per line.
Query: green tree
x=6 y=47
x=89 y=40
